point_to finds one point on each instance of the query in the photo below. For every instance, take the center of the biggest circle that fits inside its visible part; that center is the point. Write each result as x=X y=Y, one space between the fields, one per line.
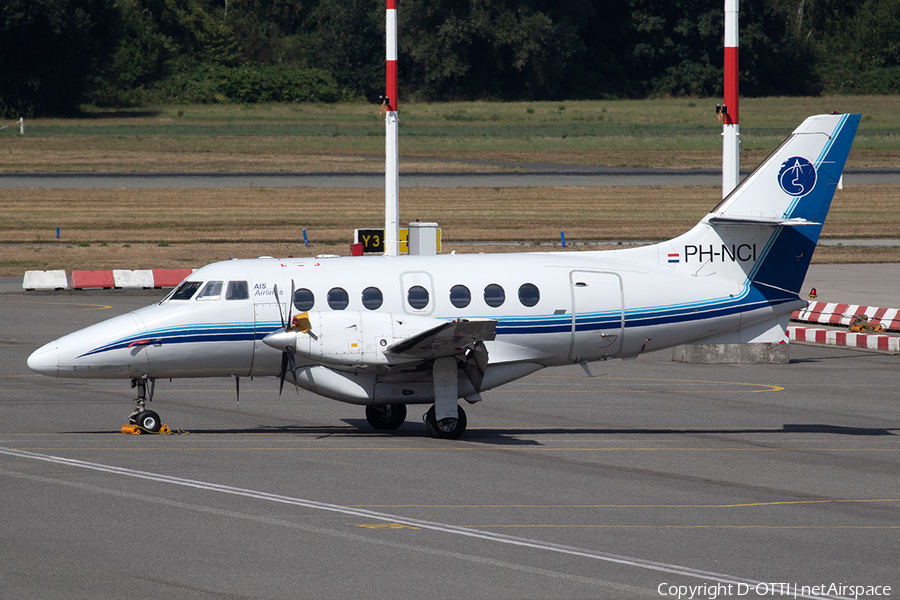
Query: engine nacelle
x=353 y=338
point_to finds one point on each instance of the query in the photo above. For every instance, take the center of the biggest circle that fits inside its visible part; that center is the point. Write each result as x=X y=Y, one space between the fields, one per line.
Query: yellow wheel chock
x=132 y=429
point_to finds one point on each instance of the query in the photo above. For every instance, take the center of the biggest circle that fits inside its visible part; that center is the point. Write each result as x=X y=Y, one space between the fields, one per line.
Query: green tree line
x=58 y=54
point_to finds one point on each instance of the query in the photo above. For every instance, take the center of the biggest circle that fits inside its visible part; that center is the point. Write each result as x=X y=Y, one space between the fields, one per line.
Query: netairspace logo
x=765 y=590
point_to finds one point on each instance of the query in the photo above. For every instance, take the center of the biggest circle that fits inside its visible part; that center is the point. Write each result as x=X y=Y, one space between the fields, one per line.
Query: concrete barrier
x=831 y=337
x=712 y=354
x=169 y=277
x=835 y=313
x=92 y=279
x=133 y=279
x=45 y=280
x=107 y=279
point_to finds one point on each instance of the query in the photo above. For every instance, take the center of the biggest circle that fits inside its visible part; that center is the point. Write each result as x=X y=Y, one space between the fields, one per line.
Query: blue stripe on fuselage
x=752 y=298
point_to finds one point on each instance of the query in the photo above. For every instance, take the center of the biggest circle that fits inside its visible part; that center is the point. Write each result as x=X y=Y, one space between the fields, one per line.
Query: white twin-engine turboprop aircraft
x=385 y=332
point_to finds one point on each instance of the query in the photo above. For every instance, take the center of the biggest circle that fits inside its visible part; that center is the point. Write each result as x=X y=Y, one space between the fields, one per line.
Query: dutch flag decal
x=673 y=257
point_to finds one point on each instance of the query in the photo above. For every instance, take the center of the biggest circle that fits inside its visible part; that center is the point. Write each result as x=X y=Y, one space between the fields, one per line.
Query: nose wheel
x=147 y=419
x=143 y=418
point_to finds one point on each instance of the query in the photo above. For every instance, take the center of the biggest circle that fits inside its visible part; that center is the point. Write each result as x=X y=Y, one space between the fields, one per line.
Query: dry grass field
x=190 y=227
x=176 y=228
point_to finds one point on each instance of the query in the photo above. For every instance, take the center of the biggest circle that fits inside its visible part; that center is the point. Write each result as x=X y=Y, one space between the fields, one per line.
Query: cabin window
x=417 y=296
x=494 y=295
x=237 y=290
x=304 y=300
x=529 y=295
x=338 y=299
x=186 y=290
x=372 y=298
x=460 y=296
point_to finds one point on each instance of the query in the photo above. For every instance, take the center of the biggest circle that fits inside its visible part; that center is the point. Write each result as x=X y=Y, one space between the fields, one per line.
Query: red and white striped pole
x=392 y=139
x=731 y=142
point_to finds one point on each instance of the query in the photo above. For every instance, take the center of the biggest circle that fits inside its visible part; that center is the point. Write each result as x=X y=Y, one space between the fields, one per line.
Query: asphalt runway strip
x=706 y=576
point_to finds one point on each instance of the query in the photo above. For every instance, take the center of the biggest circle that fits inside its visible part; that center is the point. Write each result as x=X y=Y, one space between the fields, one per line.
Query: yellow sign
x=373 y=240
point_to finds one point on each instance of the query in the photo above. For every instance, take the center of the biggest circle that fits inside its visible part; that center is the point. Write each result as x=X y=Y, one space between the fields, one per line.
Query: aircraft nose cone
x=280 y=339
x=45 y=360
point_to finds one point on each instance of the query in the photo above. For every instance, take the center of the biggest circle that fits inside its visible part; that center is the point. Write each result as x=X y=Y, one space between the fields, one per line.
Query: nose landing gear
x=143 y=418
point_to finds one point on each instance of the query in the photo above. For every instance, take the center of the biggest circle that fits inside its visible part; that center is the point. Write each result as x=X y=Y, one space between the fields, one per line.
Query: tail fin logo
x=797 y=176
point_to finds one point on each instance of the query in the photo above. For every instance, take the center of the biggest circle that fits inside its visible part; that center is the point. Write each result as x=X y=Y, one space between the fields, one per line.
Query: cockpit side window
x=211 y=291
x=186 y=290
x=237 y=290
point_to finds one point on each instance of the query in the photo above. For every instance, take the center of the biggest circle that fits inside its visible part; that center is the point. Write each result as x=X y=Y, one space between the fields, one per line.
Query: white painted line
x=358 y=538
x=662 y=567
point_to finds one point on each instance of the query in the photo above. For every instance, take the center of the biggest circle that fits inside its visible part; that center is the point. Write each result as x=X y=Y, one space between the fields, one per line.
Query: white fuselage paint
x=591 y=307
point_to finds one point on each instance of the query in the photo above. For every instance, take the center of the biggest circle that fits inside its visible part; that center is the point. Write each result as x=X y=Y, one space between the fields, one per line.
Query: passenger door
x=598 y=316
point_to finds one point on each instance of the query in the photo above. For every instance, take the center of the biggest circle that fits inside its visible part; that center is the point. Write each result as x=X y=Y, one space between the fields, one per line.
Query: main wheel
x=388 y=416
x=148 y=420
x=446 y=429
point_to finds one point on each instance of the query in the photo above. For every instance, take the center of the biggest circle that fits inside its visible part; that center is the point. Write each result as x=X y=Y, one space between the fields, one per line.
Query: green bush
x=278 y=84
x=247 y=84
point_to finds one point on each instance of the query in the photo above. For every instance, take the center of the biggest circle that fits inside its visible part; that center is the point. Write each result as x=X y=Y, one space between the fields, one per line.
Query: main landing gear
x=388 y=416
x=143 y=418
x=391 y=416
x=448 y=428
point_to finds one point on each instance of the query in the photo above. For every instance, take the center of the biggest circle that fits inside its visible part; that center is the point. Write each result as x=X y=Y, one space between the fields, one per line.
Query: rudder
x=766 y=230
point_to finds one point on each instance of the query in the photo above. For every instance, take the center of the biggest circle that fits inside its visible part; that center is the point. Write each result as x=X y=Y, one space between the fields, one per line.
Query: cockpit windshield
x=186 y=290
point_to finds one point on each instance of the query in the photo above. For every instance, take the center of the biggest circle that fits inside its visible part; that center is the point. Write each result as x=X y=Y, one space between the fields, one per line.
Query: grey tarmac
x=648 y=476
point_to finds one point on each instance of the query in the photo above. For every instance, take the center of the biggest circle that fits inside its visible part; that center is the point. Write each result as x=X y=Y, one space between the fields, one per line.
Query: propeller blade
x=290 y=304
x=280 y=312
x=289 y=351
x=281 y=376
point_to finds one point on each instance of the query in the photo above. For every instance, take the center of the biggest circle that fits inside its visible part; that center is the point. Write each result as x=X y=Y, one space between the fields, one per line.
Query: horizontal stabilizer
x=447 y=339
x=758 y=220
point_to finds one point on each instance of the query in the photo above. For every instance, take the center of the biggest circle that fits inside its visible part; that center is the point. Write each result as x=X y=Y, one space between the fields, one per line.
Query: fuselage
x=550 y=309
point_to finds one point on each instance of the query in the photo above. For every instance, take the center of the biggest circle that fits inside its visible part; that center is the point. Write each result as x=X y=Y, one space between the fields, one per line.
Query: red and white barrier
x=832 y=313
x=117 y=278
x=166 y=278
x=92 y=279
x=831 y=337
x=124 y=278
x=45 y=280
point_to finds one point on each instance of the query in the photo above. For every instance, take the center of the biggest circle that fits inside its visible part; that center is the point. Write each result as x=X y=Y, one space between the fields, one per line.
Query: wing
x=450 y=338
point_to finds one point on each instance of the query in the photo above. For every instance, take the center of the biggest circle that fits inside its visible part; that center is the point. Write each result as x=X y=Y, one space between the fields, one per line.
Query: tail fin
x=766 y=230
